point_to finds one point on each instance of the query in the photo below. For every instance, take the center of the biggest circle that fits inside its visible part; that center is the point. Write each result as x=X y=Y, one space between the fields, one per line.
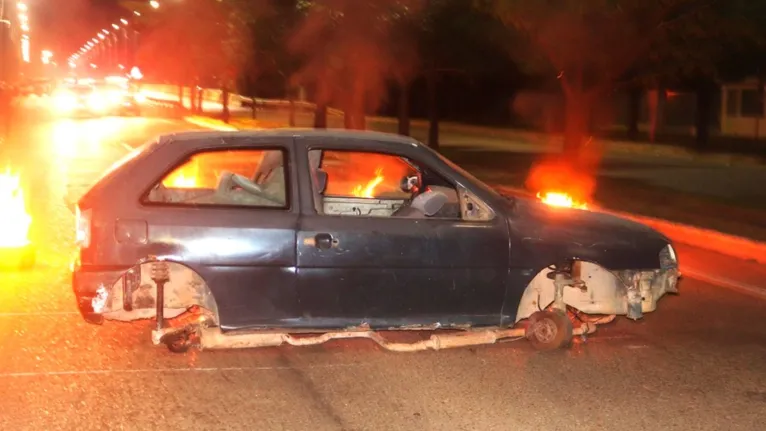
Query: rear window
x=123 y=163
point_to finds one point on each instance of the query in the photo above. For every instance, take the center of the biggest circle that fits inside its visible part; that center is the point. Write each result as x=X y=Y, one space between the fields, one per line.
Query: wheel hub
x=545 y=330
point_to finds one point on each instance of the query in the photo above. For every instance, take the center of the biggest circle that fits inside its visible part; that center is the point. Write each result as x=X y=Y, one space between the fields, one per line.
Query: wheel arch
x=603 y=294
x=185 y=289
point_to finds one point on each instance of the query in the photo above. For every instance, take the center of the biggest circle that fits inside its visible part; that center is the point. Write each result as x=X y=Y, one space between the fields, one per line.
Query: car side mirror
x=409 y=184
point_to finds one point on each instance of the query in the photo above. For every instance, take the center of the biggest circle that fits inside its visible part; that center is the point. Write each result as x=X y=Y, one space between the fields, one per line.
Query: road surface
x=696 y=363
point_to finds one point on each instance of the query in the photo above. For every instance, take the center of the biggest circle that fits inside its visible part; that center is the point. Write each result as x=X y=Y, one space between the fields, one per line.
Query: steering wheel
x=246 y=184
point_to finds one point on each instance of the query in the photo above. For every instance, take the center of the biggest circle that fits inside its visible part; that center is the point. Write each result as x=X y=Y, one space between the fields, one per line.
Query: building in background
x=742 y=109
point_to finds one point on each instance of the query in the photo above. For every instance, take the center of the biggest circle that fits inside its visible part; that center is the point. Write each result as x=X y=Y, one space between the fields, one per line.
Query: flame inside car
x=14 y=219
x=185 y=177
x=368 y=190
x=561 y=199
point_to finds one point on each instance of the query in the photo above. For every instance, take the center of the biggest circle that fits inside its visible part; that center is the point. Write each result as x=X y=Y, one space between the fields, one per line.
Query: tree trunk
x=404 y=108
x=320 y=116
x=704 y=101
x=348 y=119
x=576 y=121
x=200 y=95
x=225 y=115
x=634 y=112
x=291 y=108
x=433 y=107
x=653 y=103
x=355 y=110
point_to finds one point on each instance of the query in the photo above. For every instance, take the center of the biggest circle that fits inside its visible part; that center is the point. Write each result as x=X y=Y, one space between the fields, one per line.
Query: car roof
x=341 y=134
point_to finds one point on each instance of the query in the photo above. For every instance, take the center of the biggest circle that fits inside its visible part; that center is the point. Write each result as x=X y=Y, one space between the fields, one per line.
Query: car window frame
x=286 y=163
x=459 y=188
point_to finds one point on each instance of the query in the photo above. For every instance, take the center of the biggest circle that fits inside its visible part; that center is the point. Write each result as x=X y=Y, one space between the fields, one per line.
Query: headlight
x=65 y=102
x=668 y=257
x=97 y=102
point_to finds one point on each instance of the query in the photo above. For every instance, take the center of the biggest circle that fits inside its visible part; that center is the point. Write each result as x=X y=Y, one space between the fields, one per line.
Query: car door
x=389 y=271
x=242 y=244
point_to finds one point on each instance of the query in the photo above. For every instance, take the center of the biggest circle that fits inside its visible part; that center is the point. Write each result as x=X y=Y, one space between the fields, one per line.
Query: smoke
x=351 y=49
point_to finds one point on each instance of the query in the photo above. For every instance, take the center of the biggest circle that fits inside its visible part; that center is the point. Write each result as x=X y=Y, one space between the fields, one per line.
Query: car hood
x=542 y=232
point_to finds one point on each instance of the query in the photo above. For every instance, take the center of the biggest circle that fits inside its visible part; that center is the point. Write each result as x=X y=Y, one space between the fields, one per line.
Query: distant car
x=248 y=239
x=90 y=99
x=121 y=98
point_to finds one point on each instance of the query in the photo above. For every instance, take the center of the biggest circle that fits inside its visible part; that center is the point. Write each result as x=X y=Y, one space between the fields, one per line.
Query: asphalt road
x=696 y=363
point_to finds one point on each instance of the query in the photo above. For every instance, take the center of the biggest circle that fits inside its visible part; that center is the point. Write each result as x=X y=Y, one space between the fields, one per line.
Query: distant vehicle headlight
x=97 y=102
x=65 y=102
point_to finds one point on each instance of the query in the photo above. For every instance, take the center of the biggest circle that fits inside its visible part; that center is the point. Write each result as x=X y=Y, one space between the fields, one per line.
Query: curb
x=730 y=245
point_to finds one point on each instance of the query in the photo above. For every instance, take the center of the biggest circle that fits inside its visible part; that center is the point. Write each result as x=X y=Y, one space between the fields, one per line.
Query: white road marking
x=755 y=291
x=165 y=370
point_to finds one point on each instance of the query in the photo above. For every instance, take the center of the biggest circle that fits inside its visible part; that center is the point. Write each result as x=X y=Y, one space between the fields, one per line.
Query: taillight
x=83 y=227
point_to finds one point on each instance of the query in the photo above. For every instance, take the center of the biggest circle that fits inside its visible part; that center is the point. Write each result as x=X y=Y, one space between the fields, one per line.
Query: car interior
x=266 y=187
x=429 y=196
x=422 y=194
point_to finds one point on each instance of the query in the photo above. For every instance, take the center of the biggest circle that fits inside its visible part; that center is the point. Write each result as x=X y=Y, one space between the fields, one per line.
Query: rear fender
x=134 y=295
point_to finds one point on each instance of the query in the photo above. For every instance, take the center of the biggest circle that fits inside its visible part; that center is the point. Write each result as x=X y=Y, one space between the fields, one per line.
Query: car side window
x=252 y=178
x=354 y=183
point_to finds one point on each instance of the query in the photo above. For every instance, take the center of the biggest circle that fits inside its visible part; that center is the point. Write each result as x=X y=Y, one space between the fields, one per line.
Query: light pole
x=96 y=48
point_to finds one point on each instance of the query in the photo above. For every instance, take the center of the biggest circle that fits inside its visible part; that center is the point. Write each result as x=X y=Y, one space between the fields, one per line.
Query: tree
x=347 y=52
x=197 y=41
x=590 y=45
x=454 y=38
x=717 y=40
x=268 y=64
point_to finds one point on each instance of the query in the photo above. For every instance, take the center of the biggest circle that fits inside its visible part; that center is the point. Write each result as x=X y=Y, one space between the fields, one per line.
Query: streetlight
x=25 y=48
x=46 y=56
x=107 y=40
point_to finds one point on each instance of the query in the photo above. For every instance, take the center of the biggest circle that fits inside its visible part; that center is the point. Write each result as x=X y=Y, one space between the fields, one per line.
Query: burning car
x=263 y=238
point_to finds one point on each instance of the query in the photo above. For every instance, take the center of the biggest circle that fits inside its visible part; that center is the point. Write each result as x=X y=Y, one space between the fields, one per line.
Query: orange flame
x=560 y=199
x=368 y=191
x=185 y=177
x=14 y=219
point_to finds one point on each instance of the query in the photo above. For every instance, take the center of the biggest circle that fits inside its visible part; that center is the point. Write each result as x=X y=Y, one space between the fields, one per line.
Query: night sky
x=63 y=25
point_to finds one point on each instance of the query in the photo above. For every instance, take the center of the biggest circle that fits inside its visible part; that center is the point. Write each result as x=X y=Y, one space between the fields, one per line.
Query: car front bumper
x=627 y=293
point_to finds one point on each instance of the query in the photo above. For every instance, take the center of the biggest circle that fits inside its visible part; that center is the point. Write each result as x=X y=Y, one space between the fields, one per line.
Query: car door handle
x=324 y=241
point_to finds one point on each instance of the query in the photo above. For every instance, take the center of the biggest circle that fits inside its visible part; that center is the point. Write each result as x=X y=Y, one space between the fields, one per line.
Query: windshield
x=121 y=163
x=479 y=183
